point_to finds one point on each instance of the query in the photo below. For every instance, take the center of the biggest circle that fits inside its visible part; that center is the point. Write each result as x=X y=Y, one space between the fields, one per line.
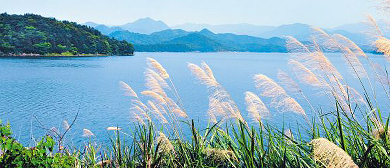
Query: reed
x=87 y=133
x=255 y=107
x=279 y=98
x=330 y=155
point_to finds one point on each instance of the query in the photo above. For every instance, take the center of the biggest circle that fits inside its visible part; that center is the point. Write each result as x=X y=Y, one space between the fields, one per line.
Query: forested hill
x=34 y=34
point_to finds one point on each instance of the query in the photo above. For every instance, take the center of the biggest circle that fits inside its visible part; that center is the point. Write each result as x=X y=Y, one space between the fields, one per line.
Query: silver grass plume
x=139 y=111
x=355 y=96
x=256 y=108
x=325 y=40
x=140 y=104
x=215 y=109
x=174 y=108
x=161 y=108
x=128 y=90
x=224 y=102
x=379 y=131
x=304 y=74
x=87 y=133
x=292 y=86
x=157 y=112
x=350 y=44
x=208 y=71
x=288 y=82
x=375 y=31
x=156 y=66
x=65 y=125
x=165 y=145
x=354 y=64
x=315 y=61
x=295 y=46
x=138 y=118
x=279 y=98
x=149 y=73
x=202 y=76
x=155 y=96
x=268 y=87
x=330 y=155
x=383 y=45
x=382 y=76
x=153 y=85
x=356 y=68
x=325 y=66
x=220 y=102
x=113 y=128
x=220 y=155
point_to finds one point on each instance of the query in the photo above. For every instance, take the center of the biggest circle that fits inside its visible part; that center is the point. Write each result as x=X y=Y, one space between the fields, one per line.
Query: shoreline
x=55 y=56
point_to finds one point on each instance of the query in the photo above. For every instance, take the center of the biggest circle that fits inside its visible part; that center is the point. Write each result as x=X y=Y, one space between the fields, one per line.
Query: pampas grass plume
x=128 y=90
x=256 y=108
x=113 y=128
x=153 y=64
x=165 y=145
x=87 y=133
x=330 y=155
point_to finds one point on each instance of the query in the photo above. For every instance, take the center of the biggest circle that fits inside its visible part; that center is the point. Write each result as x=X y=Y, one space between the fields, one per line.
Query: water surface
x=38 y=93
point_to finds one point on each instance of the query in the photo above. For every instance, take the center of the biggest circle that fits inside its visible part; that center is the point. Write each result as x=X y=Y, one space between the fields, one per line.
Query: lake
x=38 y=93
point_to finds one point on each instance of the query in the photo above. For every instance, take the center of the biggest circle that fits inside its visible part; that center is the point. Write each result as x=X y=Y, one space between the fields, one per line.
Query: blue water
x=39 y=93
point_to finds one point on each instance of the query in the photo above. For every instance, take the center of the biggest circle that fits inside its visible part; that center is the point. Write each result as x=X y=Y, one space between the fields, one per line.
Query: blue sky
x=323 y=13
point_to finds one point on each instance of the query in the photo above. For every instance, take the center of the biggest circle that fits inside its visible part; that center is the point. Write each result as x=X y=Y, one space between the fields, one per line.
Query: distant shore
x=58 y=55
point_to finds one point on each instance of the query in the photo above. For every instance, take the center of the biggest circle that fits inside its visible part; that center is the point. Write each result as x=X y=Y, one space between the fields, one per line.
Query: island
x=34 y=35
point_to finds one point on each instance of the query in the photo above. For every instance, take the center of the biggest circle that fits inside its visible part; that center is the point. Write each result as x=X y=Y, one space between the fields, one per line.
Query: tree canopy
x=30 y=33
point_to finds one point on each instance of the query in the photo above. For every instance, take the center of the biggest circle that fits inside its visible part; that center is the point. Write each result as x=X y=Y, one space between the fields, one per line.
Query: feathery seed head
x=165 y=145
x=153 y=64
x=383 y=45
x=65 y=125
x=267 y=86
x=330 y=155
x=153 y=85
x=202 y=76
x=220 y=155
x=113 y=128
x=304 y=74
x=208 y=71
x=149 y=73
x=139 y=119
x=174 y=108
x=157 y=112
x=350 y=44
x=288 y=82
x=128 y=90
x=87 y=133
x=255 y=107
x=155 y=96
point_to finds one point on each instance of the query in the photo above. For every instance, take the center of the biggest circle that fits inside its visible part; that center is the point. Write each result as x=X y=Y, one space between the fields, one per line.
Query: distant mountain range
x=143 y=26
x=177 y=40
x=151 y=35
x=239 y=29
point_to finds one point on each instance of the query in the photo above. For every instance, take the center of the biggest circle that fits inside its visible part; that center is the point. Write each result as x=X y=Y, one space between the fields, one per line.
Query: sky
x=321 y=13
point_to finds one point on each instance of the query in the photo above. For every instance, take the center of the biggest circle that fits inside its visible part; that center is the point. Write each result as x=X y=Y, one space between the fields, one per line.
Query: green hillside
x=177 y=40
x=198 y=42
x=34 y=34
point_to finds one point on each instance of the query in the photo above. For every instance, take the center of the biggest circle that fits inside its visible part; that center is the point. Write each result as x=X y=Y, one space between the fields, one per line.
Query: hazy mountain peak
x=148 y=20
x=145 y=26
x=90 y=24
x=205 y=31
